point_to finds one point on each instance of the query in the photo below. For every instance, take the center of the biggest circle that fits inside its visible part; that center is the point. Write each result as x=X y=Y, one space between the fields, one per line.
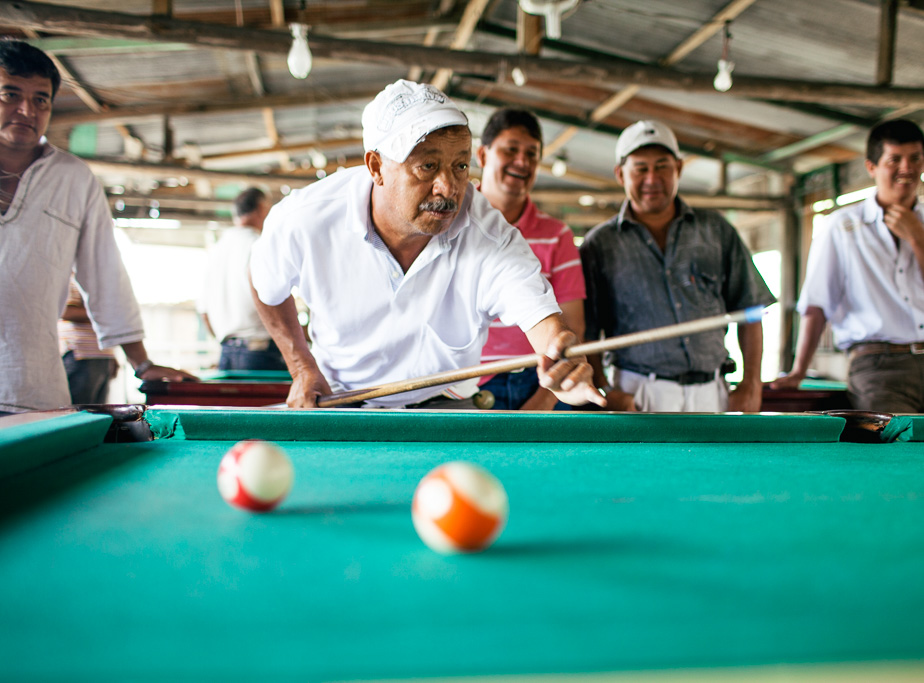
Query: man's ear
x=481 y=154
x=617 y=171
x=373 y=161
x=870 y=168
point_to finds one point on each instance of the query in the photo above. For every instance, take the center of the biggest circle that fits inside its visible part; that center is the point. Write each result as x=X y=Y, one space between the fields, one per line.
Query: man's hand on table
x=307 y=386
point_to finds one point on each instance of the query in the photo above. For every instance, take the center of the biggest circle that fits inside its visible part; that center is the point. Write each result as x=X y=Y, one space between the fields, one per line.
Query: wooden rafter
x=700 y=36
x=608 y=72
x=470 y=17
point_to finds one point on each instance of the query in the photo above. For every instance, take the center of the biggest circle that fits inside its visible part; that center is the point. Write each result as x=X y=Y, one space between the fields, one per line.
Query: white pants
x=654 y=395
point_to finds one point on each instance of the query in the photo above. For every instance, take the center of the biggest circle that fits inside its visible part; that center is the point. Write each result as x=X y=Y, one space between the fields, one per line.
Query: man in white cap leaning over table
x=403 y=266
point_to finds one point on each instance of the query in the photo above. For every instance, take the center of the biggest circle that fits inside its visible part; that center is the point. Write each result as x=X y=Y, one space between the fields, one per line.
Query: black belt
x=691 y=377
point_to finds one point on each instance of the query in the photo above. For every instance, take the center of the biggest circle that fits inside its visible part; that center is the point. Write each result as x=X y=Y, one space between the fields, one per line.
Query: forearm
x=751 y=341
x=282 y=323
x=810 y=330
x=572 y=315
x=135 y=353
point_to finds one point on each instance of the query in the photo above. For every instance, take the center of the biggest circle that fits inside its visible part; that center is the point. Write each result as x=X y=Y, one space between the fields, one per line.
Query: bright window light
x=857 y=196
x=156 y=223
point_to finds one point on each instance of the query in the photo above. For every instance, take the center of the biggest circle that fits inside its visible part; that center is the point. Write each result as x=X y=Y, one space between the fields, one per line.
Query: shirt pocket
x=702 y=284
x=60 y=244
x=441 y=351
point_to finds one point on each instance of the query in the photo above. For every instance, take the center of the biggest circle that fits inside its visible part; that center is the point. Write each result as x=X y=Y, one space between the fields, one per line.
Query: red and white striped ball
x=255 y=475
x=459 y=507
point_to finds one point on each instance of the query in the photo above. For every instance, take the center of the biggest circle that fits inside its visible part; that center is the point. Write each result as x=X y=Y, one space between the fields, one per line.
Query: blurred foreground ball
x=459 y=507
x=255 y=475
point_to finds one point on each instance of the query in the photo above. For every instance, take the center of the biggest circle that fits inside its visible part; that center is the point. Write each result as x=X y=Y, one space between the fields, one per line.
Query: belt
x=691 y=377
x=864 y=349
x=250 y=344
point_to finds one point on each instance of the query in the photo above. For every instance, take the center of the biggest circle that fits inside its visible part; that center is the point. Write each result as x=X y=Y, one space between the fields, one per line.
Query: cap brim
x=398 y=147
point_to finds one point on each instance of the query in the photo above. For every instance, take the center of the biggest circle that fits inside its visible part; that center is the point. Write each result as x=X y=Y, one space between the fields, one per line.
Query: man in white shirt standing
x=54 y=221
x=226 y=304
x=404 y=265
x=864 y=276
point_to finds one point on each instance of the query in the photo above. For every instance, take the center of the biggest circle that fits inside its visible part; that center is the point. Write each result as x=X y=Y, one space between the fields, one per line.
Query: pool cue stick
x=748 y=315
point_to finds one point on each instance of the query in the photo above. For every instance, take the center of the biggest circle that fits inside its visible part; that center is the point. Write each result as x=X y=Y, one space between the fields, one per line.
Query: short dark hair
x=21 y=59
x=896 y=132
x=248 y=201
x=504 y=119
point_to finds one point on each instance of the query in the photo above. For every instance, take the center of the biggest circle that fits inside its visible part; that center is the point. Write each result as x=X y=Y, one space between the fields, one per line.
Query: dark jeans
x=88 y=379
x=236 y=356
x=512 y=389
x=887 y=382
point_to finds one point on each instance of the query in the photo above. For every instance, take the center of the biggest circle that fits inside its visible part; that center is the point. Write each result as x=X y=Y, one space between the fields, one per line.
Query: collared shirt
x=226 y=297
x=553 y=244
x=869 y=288
x=59 y=221
x=370 y=322
x=705 y=270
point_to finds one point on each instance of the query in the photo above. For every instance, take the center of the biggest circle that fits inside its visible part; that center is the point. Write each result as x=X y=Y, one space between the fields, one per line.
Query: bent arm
x=281 y=321
x=572 y=313
x=810 y=329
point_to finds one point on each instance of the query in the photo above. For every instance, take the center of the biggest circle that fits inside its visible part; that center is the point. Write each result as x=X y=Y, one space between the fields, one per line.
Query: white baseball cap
x=643 y=133
x=403 y=114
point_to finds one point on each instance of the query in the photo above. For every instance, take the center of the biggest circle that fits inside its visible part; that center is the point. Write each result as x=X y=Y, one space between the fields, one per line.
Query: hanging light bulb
x=723 y=79
x=318 y=160
x=299 y=55
x=519 y=78
x=559 y=167
x=552 y=10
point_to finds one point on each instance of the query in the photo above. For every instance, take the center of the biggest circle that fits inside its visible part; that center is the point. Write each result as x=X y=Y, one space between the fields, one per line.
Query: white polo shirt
x=226 y=297
x=869 y=289
x=370 y=322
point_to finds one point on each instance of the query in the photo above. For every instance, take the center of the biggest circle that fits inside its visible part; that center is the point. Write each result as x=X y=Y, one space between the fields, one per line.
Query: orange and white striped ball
x=255 y=475
x=459 y=507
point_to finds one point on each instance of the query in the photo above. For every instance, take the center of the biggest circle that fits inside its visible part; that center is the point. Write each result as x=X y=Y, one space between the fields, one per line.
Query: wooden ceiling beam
x=131 y=113
x=888 y=24
x=604 y=71
x=617 y=100
x=474 y=10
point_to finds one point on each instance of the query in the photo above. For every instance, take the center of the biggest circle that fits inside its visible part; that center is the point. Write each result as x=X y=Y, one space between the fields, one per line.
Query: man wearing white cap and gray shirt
x=660 y=262
x=403 y=266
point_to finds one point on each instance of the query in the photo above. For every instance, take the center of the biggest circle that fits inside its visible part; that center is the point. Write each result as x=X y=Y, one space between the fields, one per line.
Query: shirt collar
x=625 y=218
x=873 y=214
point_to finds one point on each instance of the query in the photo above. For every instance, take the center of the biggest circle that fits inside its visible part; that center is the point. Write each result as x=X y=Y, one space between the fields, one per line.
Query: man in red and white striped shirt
x=509 y=156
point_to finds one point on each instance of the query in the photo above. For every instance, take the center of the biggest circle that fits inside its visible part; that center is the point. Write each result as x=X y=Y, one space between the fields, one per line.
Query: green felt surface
x=411 y=426
x=823 y=384
x=247 y=375
x=33 y=444
x=125 y=564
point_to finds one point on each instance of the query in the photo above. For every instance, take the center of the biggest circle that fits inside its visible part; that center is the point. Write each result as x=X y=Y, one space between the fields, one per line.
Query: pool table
x=232 y=388
x=687 y=546
x=256 y=388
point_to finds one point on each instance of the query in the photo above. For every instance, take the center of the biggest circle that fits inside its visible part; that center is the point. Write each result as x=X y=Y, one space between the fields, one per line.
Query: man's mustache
x=440 y=205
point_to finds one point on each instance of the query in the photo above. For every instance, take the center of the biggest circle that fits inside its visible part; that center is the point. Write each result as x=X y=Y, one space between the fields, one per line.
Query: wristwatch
x=143 y=367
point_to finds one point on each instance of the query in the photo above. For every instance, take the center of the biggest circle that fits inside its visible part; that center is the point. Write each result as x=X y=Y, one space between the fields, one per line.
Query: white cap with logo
x=643 y=133
x=403 y=114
